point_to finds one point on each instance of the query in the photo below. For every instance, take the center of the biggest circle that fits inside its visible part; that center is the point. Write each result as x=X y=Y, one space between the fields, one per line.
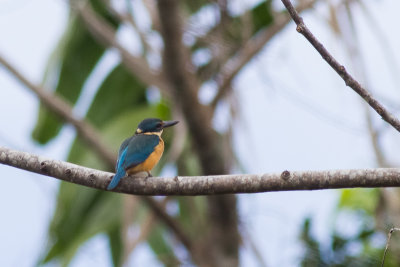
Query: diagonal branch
x=340 y=69
x=128 y=18
x=204 y=185
x=251 y=49
x=60 y=107
x=172 y=224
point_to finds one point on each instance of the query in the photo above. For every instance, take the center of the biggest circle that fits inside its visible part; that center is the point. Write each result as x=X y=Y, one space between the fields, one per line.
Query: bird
x=142 y=151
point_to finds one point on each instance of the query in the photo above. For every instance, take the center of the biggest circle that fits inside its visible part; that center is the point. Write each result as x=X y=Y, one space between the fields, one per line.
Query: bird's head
x=153 y=125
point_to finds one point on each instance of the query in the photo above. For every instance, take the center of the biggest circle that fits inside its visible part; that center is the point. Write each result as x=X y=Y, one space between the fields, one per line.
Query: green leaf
x=192 y=6
x=312 y=251
x=193 y=215
x=119 y=92
x=116 y=245
x=78 y=54
x=262 y=15
x=161 y=247
x=360 y=199
x=81 y=213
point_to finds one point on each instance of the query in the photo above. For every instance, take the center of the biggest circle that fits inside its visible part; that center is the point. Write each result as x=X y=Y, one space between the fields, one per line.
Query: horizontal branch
x=204 y=185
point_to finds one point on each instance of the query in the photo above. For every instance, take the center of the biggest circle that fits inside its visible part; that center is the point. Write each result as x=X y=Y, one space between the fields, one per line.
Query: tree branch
x=221 y=247
x=340 y=69
x=184 y=88
x=204 y=185
x=250 y=49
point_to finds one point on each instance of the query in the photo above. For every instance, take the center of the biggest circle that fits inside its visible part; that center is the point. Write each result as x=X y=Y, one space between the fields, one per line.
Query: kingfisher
x=142 y=151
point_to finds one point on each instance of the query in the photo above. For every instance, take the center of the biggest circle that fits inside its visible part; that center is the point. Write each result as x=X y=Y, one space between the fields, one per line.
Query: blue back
x=137 y=149
x=132 y=152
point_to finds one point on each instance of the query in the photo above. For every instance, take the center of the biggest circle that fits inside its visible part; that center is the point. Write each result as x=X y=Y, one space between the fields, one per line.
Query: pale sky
x=298 y=115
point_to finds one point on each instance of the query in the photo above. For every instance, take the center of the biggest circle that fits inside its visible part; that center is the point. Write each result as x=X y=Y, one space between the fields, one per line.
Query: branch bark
x=204 y=185
x=340 y=69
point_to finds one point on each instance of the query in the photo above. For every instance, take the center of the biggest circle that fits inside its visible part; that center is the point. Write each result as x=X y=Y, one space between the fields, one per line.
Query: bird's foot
x=149 y=175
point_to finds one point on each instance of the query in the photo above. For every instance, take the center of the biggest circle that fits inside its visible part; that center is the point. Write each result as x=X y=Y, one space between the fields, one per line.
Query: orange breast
x=151 y=161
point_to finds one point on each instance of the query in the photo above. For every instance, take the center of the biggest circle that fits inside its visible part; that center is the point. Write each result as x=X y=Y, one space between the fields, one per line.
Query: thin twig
x=128 y=18
x=203 y=185
x=340 y=69
x=105 y=34
x=388 y=243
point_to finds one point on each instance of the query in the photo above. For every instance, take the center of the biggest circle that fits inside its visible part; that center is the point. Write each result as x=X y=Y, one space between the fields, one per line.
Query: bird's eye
x=159 y=125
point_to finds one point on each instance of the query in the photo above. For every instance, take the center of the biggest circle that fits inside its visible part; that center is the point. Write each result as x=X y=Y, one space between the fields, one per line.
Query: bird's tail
x=115 y=180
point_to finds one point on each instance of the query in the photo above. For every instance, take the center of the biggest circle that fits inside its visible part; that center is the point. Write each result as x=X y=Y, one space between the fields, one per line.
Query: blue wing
x=139 y=149
x=132 y=152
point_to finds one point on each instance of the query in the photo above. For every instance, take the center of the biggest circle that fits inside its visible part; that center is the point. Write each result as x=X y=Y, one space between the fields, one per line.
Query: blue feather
x=133 y=151
x=139 y=149
x=115 y=180
x=120 y=171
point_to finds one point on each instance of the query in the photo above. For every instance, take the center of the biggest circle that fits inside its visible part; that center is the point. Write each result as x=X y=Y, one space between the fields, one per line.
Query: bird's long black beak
x=169 y=123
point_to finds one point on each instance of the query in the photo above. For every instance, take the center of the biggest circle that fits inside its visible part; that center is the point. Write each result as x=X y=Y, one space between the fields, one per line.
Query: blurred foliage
x=356 y=250
x=119 y=104
x=364 y=247
x=77 y=55
x=360 y=199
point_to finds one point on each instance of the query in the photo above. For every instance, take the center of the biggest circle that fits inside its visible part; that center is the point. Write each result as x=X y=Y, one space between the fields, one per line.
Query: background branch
x=60 y=107
x=340 y=69
x=222 y=238
x=204 y=185
x=106 y=35
x=251 y=49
